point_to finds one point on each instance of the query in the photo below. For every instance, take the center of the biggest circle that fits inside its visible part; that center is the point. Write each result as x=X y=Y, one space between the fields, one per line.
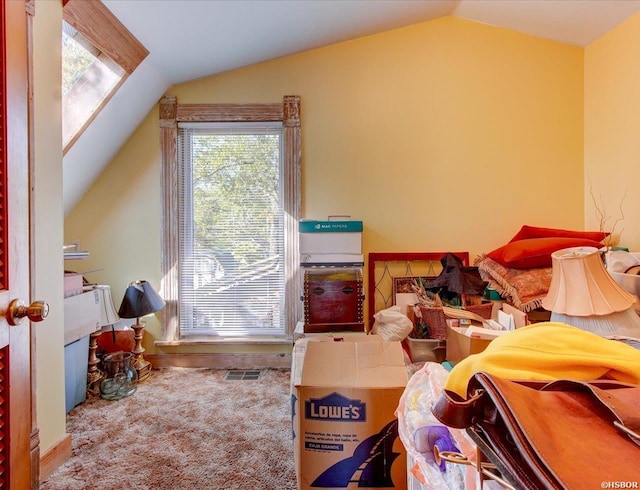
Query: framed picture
x=403 y=293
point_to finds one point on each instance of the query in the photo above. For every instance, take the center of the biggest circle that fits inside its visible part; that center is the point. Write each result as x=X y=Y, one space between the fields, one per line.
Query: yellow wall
x=445 y=135
x=48 y=223
x=612 y=130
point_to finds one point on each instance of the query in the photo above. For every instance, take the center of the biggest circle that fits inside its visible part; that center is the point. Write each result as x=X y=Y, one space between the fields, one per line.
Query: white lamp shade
x=108 y=315
x=581 y=286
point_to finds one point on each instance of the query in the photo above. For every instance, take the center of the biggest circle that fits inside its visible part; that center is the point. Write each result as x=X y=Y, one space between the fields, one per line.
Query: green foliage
x=236 y=194
x=75 y=60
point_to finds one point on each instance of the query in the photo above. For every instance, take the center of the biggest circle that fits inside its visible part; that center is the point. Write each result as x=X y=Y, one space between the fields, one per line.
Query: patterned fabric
x=524 y=288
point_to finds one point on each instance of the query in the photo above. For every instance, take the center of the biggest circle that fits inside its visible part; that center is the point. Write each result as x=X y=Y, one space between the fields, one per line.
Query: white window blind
x=231 y=227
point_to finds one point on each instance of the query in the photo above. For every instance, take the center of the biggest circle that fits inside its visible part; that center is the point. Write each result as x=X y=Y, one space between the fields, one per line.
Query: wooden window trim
x=103 y=29
x=170 y=113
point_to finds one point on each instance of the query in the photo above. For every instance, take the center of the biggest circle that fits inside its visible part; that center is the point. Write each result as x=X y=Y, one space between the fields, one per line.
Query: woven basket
x=436 y=320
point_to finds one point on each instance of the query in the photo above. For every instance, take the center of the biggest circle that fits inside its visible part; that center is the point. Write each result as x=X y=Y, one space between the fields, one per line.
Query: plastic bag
x=391 y=324
x=414 y=414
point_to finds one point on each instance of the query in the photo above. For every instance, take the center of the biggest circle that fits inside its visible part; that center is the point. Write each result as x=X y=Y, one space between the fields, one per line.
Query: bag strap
x=455 y=411
x=617 y=398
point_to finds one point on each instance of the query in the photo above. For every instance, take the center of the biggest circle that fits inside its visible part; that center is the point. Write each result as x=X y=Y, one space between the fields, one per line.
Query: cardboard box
x=328 y=260
x=81 y=315
x=331 y=243
x=344 y=398
x=330 y=237
x=72 y=284
x=460 y=345
x=337 y=335
x=329 y=226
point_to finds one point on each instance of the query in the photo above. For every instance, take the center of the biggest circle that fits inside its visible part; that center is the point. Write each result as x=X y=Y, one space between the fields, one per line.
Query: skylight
x=88 y=78
x=98 y=54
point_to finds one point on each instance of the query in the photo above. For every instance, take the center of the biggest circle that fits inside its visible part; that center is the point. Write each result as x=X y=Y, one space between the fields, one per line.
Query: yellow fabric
x=548 y=351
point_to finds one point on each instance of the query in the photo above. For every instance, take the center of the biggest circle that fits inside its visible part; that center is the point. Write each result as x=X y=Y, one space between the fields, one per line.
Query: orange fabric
x=536 y=252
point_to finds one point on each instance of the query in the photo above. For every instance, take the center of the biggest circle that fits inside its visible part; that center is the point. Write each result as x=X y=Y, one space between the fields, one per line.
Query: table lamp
x=108 y=316
x=583 y=294
x=140 y=299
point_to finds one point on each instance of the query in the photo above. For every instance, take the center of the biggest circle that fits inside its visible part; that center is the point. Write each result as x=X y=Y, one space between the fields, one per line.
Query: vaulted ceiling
x=190 y=39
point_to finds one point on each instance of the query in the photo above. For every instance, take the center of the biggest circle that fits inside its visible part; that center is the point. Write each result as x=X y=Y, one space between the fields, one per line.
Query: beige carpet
x=184 y=429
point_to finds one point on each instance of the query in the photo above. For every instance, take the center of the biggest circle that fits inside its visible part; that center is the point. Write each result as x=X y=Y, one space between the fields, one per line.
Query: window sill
x=215 y=340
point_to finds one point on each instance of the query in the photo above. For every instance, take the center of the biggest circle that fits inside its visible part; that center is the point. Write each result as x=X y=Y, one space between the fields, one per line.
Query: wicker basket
x=436 y=320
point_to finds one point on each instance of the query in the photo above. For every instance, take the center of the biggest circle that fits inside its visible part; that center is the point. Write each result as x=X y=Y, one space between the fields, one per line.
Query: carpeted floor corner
x=184 y=429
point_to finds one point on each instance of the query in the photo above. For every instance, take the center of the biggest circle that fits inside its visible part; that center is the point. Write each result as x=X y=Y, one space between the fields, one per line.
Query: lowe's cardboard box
x=344 y=397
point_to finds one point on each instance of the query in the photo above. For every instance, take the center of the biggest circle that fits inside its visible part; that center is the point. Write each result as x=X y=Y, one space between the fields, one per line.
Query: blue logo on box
x=335 y=408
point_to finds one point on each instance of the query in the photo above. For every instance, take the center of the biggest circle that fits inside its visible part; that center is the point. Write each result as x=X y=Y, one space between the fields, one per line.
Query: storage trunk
x=333 y=300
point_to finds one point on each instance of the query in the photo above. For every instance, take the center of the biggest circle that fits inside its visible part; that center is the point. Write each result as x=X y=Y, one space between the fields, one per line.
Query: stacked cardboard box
x=344 y=398
x=72 y=284
x=331 y=255
x=82 y=317
x=330 y=243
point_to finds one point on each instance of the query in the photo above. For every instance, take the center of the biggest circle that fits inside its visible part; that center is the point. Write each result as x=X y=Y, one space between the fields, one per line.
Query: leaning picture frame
x=403 y=294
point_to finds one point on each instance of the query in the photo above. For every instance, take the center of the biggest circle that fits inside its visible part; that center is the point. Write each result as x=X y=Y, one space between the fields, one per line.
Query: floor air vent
x=240 y=375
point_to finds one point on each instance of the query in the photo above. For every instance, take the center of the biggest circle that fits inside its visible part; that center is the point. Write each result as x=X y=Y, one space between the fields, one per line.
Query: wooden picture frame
x=381 y=267
x=402 y=292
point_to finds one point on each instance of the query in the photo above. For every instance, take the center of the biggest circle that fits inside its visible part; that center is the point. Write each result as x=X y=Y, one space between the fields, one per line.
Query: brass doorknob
x=36 y=311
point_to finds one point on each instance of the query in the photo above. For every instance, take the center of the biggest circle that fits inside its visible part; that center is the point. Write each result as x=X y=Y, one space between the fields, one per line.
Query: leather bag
x=560 y=434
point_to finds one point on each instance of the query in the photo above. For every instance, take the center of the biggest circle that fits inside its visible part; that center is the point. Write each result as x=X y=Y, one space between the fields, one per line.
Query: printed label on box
x=335 y=407
x=314 y=226
x=341 y=451
x=344 y=398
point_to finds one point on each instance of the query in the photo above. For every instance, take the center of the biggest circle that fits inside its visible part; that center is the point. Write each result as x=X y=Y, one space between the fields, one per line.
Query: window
x=231 y=228
x=98 y=54
x=88 y=77
x=230 y=224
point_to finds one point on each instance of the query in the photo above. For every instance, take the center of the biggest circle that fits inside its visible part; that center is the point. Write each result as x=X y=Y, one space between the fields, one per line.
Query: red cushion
x=536 y=252
x=536 y=232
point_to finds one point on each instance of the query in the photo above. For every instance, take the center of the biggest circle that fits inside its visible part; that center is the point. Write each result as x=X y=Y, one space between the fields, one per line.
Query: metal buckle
x=483 y=467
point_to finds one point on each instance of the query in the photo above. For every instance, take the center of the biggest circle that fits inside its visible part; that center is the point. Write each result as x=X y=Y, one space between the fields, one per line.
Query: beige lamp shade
x=581 y=286
x=108 y=315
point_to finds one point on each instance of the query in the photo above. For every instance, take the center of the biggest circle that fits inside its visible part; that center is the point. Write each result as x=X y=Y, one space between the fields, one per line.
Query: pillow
x=524 y=288
x=537 y=232
x=536 y=252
